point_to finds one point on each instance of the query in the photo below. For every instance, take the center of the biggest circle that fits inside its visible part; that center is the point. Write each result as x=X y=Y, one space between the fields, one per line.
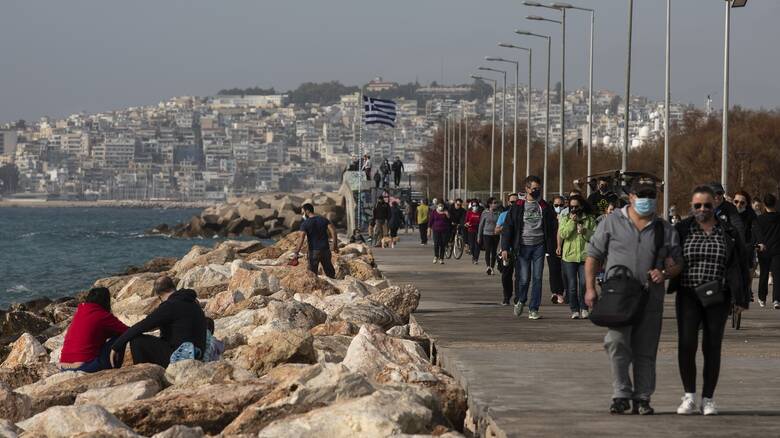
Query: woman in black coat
x=396 y=219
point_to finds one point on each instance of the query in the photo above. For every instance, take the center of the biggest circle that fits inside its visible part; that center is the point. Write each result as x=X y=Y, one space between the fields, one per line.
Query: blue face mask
x=644 y=206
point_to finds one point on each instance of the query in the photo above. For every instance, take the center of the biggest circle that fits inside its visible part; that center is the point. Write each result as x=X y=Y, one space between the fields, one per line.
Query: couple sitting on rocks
x=96 y=339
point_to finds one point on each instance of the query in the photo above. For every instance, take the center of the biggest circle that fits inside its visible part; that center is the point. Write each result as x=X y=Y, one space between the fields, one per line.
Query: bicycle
x=455 y=245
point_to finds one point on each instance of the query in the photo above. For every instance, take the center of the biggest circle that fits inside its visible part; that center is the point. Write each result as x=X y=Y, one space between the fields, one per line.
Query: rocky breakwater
x=263 y=216
x=306 y=356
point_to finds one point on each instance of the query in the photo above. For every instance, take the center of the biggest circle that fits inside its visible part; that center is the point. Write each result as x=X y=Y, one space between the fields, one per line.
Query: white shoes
x=435 y=260
x=776 y=305
x=688 y=406
x=575 y=315
x=584 y=314
x=761 y=302
x=441 y=261
x=708 y=407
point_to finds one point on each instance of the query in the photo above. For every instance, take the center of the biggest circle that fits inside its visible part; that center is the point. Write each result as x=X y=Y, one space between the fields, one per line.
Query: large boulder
x=115 y=396
x=372 y=352
x=54 y=345
x=274 y=348
x=343 y=328
x=14 y=406
x=205 y=276
x=27 y=374
x=25 y=351
x=182 y=432
x=252 y=282
x=8 y=429
x=306 y=282
x=194 y=373
x=386 y=412
x=363 y=311
x=331 y=348
x=200 y=256
x=402 y=300
x=362 y=270
x=211 y=407
x=68 y=421
x=141 y=285
x=287 y=315
x=217 y=305
x=16 y=322
x=157 y=264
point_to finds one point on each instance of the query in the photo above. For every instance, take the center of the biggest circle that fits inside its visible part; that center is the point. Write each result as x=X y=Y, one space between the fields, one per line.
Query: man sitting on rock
x=316 y=230
x=180 y=320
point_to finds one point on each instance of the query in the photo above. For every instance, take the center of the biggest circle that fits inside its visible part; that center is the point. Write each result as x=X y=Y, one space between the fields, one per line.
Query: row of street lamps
x=563 y=8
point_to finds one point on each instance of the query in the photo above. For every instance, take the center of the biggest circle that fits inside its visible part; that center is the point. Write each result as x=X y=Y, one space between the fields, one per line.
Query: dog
x=388 y=242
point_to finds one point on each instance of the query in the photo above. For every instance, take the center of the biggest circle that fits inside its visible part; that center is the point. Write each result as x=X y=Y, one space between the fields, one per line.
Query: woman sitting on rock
x=90 y=336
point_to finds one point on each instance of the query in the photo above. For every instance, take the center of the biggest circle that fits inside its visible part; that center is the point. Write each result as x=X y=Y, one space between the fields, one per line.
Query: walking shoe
x=688 y=405
x=534 y=314
x=435 y=260
x=519 y=306
x=575 y=315
x=642 y=407
x=761 y=302
x=619 y=406
x=554 y=298
x=505 y=302
x=708 y=406
x=487 y=271
x=441 y=261
x=584 y=314
x=776 y=305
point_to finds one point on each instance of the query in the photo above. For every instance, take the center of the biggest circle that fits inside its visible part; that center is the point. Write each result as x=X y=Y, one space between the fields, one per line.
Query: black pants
x=474 y=246
x=321 y=257
x=151 y=349
x=556 y=274
x=491 y=248
x=394 y=230
x=507 y=281
x=397 y=178
x=690 y=315
x=424 y=233
x=440 y=239
x=767 y=265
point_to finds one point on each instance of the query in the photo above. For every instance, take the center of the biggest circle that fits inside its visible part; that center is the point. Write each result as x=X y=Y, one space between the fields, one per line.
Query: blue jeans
x=575 y=277
x=529 y=267
x=101 y=362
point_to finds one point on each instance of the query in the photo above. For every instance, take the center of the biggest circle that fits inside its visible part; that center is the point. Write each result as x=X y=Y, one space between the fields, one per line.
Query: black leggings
x=423 y=232
x=690 y=315
x=440 y=239
x=474 y=245
x=767 y=265
x=151 y=349
x=507 y=282
x=491 y=247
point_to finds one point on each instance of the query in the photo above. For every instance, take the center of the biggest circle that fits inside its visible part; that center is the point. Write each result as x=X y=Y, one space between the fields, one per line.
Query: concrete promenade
x=551 y=378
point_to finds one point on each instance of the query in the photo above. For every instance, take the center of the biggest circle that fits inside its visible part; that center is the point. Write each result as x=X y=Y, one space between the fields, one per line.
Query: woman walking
x=487 y=234
x=767 y=232
x=396 y=220
x=472 y=226
x=574 y=232
x=714 y=276
x=440 y=228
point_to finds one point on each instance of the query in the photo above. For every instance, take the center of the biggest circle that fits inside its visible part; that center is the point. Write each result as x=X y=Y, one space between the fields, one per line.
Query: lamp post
x=624 y=158
x=493 y=132
x=466 y=153
x=562 y=22
x=514 y=153
x=724 y=163
x=444 y=161
x=667 y=99
x=503 y=120
x=547 y=113
x=528 y=108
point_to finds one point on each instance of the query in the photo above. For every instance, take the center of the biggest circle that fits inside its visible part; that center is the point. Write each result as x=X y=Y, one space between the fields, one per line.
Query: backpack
x=623 y=297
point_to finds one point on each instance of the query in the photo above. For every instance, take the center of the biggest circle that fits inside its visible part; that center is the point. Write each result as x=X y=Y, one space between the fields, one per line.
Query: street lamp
x=503 y=120
x=667 y=103
x=445 y=165
x=624 y=159
x=493 y=133
x=547 y=113
x=724 y=180
x=528 y=107
x=562 y=22
x=517 y=78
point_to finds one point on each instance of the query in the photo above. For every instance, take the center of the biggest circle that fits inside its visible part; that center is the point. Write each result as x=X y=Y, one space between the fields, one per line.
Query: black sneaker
x=619 y=406
x=642 y=407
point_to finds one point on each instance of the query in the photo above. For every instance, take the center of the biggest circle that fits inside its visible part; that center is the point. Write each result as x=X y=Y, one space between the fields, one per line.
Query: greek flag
x=378 y=111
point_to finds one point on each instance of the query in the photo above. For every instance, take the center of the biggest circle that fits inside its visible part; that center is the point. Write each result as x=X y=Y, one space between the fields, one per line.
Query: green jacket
x=575 y=244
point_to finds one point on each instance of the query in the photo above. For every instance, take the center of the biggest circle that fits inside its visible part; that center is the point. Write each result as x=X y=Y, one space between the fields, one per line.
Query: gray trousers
x=638 y=346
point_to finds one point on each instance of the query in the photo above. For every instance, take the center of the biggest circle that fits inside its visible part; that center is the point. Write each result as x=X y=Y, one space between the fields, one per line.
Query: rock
x=23 y=375
x=363 y=311
x=54 y=345
x=255 y=302
x=14 y=406
x=331 y=348
x=211 y=407
x=274 y=348
x=242 y=247
x=68 y=421
x=61 y=311
x=141 y=285
x=221 y=302
x=372 y=352
x=193 y=373
x=181 y=432
x=344 y=328
x=319 y=385
x=133 y=307
x=402 y=300
x=115 y=396
x=25 y=351
x=287 y=315
x=362 y=270
x=189 y=261
x=62 y=389
x=16 y=322
x=253 y=282
x=157 y=264
x=205 y=276
x=306 y=282
x=232 y=330
x=383 y=413
x=8 y=429
x=378 y=283
x=200 y=256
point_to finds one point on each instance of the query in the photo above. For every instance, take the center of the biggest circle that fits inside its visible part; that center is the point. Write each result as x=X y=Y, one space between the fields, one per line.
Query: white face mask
x=557 y=210
x=475 y=208
x=440 y=209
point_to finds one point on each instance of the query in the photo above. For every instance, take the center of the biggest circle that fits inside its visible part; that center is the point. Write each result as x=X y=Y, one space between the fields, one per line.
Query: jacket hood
x=184 y=295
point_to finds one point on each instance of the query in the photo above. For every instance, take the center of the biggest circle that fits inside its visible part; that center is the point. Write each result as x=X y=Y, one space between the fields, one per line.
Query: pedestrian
x=574 y=232
x=744 y=204
x=714 y=277
x=385 y=169
x=398 y=168
x=556 y=274
x=767 y=231
x=410 y=216
x=367 y=166
x=457 y=217
x=725 y=210
x=396 y=220
x=357 y=236
x=316 y=230
x=506 y=266
x=422 y=221
x=758 y=207
x=627 y=238
x=440 y=227
x=530 y=232
x=602 y=197
x=473 y=217
x=486 y=234
x=377 y=179
x=381 y=216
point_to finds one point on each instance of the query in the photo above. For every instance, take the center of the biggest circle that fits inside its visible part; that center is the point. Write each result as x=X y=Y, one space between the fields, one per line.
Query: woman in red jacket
x=91 y=334
x=473 y=217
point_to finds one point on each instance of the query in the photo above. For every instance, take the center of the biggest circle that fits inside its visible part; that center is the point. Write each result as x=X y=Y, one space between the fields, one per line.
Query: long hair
x=584 y=204
x=100 y=296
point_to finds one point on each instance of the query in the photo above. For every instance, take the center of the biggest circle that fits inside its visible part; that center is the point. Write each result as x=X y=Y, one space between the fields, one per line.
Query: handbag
x=710 y=293
x=622 y=301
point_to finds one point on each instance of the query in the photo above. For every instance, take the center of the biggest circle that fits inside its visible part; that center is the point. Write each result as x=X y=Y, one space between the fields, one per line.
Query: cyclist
x=457 y=218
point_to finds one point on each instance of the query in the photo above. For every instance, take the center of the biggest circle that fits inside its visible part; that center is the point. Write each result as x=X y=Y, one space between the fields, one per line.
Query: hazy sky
x=59 y=57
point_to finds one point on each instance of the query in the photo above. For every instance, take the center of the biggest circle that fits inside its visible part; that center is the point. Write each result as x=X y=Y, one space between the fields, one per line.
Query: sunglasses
x=646 y=195
x=699 y=206
x=557 y=205
x=740 y=202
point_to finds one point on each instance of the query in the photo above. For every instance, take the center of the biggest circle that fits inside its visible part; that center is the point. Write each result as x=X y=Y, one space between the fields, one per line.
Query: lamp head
x=493 y=58
x=561 y=5
x=535 y=18
x=738 y=3
x=507 y=45
x=531 y=3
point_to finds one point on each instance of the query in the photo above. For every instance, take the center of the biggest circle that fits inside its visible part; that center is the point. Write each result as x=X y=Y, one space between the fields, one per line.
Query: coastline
x=6 y=203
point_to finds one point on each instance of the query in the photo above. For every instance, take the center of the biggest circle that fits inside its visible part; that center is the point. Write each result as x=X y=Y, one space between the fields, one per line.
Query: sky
x=61 y=57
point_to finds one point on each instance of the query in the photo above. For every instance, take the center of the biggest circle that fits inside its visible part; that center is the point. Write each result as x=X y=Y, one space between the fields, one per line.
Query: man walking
x=508 y=269
x=727 y=212
x=381 y=216
x=529 y=233
x=316 y=230
x=627 y=238
x=601 y=198
x=398 y=168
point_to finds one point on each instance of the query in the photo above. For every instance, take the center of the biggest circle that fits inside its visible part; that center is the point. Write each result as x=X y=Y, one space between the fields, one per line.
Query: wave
x=29 y=235
x=19 y=288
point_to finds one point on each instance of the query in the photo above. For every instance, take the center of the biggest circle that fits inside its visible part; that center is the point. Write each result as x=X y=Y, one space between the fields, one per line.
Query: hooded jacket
x=766 y=229
x=512 y=233
x=179 y=318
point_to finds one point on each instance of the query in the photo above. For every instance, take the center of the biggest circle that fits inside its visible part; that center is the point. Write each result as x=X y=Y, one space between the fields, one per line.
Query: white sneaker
x=708 y=407
x=688 y=406
x=441 y=261
x=761 y=303
x=575 y=315
x=584 y=314
x=534 y=314
x=776 y=305
x=435 y=260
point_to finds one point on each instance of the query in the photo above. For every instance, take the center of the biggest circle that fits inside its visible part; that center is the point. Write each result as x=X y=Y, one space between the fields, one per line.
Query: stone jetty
x=305 y=356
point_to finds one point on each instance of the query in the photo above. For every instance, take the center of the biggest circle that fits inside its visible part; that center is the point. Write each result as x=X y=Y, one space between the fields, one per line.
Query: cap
x=643 y=186
x=717 y=188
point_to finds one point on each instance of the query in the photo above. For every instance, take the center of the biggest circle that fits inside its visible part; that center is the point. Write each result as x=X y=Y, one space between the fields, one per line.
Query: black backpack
x=623 y=297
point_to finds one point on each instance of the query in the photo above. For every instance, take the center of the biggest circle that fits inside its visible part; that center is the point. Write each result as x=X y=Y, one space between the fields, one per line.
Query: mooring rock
x=402 y=300
x=372 y=352
x=274 y=348
x=26 y=351
x=194 y=373
x=363 y=311
x=115 y=396
x=68 y=421
x=14 y=406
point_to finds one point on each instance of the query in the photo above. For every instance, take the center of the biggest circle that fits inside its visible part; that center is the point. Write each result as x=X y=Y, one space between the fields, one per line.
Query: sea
x=56 y=252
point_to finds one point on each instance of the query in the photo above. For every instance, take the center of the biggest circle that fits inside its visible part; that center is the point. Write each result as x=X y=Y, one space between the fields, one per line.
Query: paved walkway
x=550 y=377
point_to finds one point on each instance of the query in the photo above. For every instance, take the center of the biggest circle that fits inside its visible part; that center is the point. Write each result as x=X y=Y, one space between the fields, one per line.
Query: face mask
x=741 y=209
x=440 y=209
x=557 y=210
x=644 y=206
x=475 y=209
x=574 y=210
x=703 y=215
x=536 y=193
